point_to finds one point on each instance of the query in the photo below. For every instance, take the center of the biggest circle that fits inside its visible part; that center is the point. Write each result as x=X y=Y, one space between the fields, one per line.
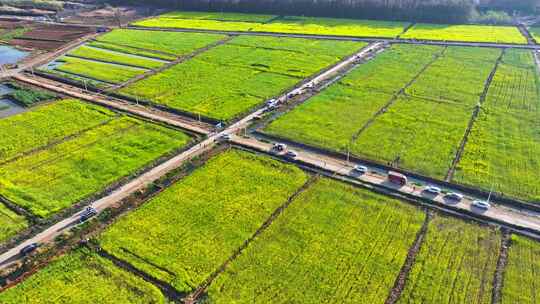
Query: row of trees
x=440 y=11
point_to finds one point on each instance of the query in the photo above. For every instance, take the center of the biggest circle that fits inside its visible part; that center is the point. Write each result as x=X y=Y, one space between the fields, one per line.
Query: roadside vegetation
x=466 y=33
x=232 y=78
x=503 y=149
x=195 y=225
x=48 y=178
x=455 y=264
x=28 y=96
x=82 y=277
x=521 y=273
x=334 y=243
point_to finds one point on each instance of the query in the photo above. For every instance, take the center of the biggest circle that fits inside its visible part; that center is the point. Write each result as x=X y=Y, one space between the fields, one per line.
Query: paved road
x=345 y=38
x=145 y=179
x=523 y=219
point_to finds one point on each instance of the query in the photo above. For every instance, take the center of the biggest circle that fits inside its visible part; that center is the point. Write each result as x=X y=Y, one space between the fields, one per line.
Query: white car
x=481 y=205
x=225 y=137
x=433 y=190
x=280 y=147
x=454 y=196
x=360 y=169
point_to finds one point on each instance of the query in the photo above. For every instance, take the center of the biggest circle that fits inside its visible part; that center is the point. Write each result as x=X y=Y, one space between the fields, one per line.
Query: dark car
x=29 y=249
x=87 y=213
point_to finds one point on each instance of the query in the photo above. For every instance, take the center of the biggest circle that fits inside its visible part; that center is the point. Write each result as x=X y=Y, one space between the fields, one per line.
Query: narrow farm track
x=459 y=152
x=346 y=38
x=401 y=280
x=171 y=64
x=192 y=298
x=525 y=32
x=396 y=96
x=498 y=278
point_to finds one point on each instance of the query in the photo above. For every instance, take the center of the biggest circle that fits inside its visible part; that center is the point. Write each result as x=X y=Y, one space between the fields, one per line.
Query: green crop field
x=105 y=72
x=467 y=33
x=51 y=176
x=503 y=149
x=131 y=50
x=46 y=124
x=230 y=79
x=457 y=77
x=331 y=118
x=10 y=223
x=455 y=264
x=423 y=135
x=535 y=33
x=219 y=16
x=114 y=57
x=156 y=43
x=82 y=277
x=287 y=24
x=520 y=285
x=333 y=244
x=192 y=227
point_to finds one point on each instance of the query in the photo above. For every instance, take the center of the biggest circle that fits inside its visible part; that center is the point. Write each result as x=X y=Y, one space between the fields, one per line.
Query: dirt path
x=498 y=278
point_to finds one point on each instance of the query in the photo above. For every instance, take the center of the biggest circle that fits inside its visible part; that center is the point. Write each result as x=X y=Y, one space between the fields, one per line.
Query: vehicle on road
x=225 y=137
x=88 y=213
x=454 y=196
x=432 y=190
x=26 y=250
x=360 y=169
x=481 y=204
x=279 y=147
x=291 y=154
x=397 y=178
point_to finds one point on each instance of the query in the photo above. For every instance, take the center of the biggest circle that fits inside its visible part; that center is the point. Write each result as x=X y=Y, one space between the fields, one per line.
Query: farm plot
x=162 y=45
x=455 y=264
x=97 y=54
x=78 y=162
x=502 y=152
x=287 y=24
x=459 y=76
x=466 y=33
x=521 y=273
x=333 y=244
x=95 y=70
x=232 y=78
x=331 y=118
x=82 y=277
x=535 y=33
x=417 y=134
x=190 y=231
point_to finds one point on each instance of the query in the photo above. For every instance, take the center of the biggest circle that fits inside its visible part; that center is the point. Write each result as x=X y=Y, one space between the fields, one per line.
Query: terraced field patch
x=520 y=275
x=232 y=78
x=49 y=177
x=287 y=24
x=332 y=118
x=455 y=264
x=195 y=225
x=334 y=244
x=86 y=52
x=466 y=33
x=82 y=277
